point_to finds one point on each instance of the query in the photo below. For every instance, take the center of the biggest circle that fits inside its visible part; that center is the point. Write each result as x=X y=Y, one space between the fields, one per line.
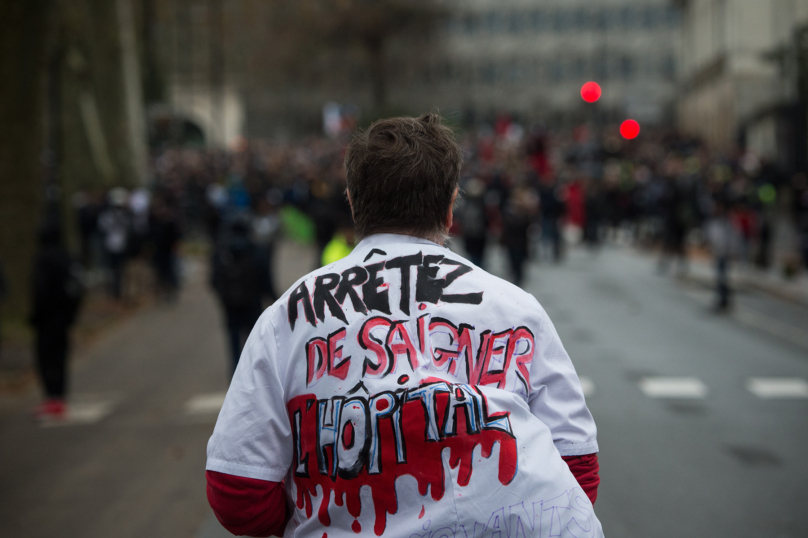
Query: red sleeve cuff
x=585 y=470
x=247 y=506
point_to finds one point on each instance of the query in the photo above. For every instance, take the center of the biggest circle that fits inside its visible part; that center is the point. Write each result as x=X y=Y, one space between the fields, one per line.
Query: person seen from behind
x=165 y=233
x=241 y=280
x=57 y=293
x=474 y=221
x=518 y=214
x=407 y=374
x=341 y=244
x=3 y=295
x=115 y=224
x=725 y=242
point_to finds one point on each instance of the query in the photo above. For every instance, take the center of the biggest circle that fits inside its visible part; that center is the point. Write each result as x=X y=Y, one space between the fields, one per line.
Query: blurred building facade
x=231 y=70
x=531 y=58
x=742 y=62
x=198 y=52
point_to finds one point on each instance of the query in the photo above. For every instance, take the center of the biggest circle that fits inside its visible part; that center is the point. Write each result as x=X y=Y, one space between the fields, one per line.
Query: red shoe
x=51 y=409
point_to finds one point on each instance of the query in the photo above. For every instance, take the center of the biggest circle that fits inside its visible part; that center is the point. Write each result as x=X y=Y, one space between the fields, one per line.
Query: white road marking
x=204 y=404
x=83 y=410
x=775 y=388
x=587 y=385
x=673 y=387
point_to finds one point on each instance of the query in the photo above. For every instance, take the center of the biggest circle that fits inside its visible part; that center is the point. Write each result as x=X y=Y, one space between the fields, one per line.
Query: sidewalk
x=747 y=278
x=129 y=459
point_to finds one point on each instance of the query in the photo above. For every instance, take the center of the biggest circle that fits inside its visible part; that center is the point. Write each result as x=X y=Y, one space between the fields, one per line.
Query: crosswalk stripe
x=775 y=388
x=673 y=387
x=88 y=409
x=82 y=410
x=203 y=404
x=587 y=385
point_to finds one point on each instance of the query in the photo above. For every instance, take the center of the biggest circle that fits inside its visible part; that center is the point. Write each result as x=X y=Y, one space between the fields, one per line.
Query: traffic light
x=590 y=92
x=630 y=129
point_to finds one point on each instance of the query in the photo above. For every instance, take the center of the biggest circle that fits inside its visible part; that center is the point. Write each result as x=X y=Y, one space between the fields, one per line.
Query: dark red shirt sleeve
x=585 y=470
x=247 y=506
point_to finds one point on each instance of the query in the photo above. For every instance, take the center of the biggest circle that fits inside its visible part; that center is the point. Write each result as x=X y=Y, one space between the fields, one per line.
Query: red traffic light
x=590 y=92
x=630 y=129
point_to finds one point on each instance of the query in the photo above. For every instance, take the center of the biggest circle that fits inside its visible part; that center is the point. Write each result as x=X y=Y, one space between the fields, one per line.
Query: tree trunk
x=132 y=91
x=104 y=124
x=23 y=35
x=154 y=88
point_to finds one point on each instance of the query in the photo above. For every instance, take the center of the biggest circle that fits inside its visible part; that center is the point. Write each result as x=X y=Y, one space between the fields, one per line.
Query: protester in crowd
x=239 y=277
x=552 y=210
x=593 y=214
x=3 y=295
x=115 y=224
x=165 y=234
x=517 y=217
x=677 y=215
x=341 y=244
x=56 y=295
x=473 y=220
x=87 y=207
x=266 y=227
x=327 y=208
x=139 y=209
x=800 y=214
x=724 y=242
x=339 y=377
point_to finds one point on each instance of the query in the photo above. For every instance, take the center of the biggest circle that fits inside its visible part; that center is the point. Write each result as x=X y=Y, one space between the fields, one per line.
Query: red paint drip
x=423 y=510
x=356 y=527
x=423 y=462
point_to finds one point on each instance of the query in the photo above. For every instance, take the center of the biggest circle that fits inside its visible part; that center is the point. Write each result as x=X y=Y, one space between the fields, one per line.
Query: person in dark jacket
x=474 y=221
x=517 y=216
x=165 y=232
x=241 y=281
x=3 y=294
x=57 y=292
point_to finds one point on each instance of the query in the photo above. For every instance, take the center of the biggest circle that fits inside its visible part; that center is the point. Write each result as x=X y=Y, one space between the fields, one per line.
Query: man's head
x=403 y=175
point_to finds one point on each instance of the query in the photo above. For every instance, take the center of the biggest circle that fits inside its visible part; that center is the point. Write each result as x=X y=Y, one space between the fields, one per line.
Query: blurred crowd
x=535 y=193
x=531 y=191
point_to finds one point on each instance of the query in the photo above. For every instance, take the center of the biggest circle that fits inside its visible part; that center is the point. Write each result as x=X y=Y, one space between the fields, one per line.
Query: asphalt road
x=687 y=449
x=701 y=417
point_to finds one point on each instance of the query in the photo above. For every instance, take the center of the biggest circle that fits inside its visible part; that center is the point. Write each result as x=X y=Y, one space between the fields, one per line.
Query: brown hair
x=402 y=174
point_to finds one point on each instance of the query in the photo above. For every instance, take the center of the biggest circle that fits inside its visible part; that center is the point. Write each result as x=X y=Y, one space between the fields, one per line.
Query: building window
x=488 y=73
x=492 y=22
x=598 y=19
x=539 y=20
x=612 y=17
x=628 y=17
x=668 y=67
x=516 y=22
x=556 y=68
x=627 y=67
x=671 y=17
x=578 y=68
x=535 y=70
x=471 y=24
x=651 y=17
x=579 y=19
x=562 y=20
x=600 y=68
